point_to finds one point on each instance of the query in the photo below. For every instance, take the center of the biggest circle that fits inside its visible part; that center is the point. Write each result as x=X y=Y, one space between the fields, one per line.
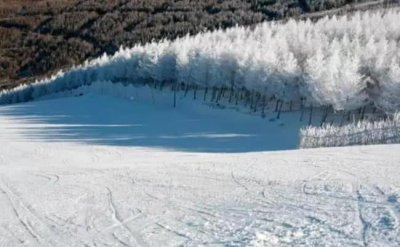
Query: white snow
x=101 y=171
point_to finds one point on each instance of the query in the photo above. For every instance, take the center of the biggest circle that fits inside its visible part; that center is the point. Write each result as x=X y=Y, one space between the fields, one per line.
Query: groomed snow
x=101 y=171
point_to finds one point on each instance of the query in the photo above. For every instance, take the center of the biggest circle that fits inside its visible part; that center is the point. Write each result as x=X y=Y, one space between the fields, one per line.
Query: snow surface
x=136 y=116
x=101 y=171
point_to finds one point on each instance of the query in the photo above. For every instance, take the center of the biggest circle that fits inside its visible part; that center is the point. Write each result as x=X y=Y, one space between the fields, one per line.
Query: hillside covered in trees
x=343 y=62
x=41 y=37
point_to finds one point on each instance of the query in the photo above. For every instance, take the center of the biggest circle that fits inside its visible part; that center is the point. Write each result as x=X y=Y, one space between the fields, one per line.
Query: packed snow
x=95 y=170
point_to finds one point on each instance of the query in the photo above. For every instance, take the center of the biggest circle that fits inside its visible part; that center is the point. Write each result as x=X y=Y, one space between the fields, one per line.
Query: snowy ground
x=100 y=171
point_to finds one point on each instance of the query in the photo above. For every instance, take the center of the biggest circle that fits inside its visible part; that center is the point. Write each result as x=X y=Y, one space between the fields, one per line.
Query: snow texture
x=345 y=62
x=69 y=178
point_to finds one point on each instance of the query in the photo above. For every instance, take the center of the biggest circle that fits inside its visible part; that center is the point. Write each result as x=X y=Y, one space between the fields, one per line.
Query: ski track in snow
x=71 y=193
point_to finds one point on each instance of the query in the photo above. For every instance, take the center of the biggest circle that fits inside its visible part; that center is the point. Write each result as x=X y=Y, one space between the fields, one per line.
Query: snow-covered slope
x=192 y=126
x=100 y=171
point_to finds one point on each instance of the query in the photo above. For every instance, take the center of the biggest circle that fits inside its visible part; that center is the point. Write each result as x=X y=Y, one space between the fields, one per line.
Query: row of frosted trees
x=360 y=133
x=344 y=62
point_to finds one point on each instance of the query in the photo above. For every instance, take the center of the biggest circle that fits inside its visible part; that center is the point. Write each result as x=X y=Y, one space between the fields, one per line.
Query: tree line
x=39 y=38
x=345 y=62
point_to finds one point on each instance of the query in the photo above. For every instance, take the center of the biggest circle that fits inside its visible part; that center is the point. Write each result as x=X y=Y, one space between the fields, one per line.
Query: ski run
x=62 y=183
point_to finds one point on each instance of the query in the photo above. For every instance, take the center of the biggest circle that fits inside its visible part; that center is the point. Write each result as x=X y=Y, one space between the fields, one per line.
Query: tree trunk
x=175 y=88
x=279 y=111
x=256 y=103
x=162 y=85
x=342 y=119
x=277 y=104
x=302 y=114
x=205 y=93
x=252 y=100
x=264 y=104
x=363 y=113
x=237 y=93
x=230 y=95
x=302 y=109
x=213 y=94
x=221 y=91
x=186 y=90
x=246 y=96
x=325 y=116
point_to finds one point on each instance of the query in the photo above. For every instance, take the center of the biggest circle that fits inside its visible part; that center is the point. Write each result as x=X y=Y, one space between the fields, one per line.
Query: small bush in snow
x=360 y=133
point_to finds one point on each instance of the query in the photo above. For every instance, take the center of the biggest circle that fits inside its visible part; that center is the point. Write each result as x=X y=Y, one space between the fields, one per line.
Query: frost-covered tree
x=165 y=68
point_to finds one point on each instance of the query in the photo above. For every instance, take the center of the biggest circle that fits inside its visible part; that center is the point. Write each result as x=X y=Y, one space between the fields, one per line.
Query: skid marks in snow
x=298 y=218
x=239 y=183
x=27 y=225
x=124 y=234
x=36 y=230
x=9 y=238
x=201 y=222
x=110 y=220
x=285 y=215
x=188 y=218
x=205 y=205
x=123 y=219
x=51 y=178
x=323 y=188
x=379 y=216
x=271 y=212
x=255 y=190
